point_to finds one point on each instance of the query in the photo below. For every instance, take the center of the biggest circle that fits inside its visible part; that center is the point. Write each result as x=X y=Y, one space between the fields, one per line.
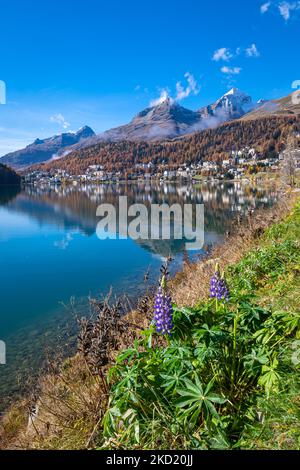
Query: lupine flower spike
x=218 y=287
x=163 y=310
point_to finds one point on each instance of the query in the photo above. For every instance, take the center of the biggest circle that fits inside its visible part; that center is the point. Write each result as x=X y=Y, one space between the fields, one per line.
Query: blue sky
x=70 y=63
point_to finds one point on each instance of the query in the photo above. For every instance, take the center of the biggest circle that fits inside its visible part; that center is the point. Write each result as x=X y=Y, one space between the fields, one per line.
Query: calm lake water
x=50 y=254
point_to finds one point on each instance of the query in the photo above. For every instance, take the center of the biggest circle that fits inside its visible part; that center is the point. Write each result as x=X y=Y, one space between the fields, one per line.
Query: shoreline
x=205 y=180
x=182 y=286
x=176 y=267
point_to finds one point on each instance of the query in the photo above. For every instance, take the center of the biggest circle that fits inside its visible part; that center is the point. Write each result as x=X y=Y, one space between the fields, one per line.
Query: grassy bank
x=228 y=377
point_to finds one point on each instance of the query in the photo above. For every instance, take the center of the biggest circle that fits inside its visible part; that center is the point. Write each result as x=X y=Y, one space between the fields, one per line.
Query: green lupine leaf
x=216 y=399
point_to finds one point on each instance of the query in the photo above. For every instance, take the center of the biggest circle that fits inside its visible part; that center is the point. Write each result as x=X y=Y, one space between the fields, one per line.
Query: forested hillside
x=266 y=134
x=8 y=176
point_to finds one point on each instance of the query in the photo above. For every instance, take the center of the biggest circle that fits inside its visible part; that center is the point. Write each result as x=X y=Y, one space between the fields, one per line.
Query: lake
x=52 y=260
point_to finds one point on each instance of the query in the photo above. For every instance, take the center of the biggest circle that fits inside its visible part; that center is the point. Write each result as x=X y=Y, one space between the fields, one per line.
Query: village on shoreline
x=239 y=165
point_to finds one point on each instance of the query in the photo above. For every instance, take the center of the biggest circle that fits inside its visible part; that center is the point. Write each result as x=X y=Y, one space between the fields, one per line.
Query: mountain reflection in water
x=49 y=252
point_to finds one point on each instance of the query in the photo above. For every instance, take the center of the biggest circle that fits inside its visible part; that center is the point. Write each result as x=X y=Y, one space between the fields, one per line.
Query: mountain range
x=164 y=121
x=42 y=150
x=168 y=120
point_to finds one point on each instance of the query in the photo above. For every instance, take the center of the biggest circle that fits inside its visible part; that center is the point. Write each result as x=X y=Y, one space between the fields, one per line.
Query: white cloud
x=192 y=83
x=59 y=119
x=181 y=92
x=265 y=7
x=222 y=54
x=192 y=87
x=164 y=95
x=252 y=51
x=226 y=55
x=231 y=70
x=285 y=9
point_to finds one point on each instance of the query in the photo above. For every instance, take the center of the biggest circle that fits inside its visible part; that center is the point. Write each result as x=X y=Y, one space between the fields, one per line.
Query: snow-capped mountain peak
x=234 y=103
x=236 y=92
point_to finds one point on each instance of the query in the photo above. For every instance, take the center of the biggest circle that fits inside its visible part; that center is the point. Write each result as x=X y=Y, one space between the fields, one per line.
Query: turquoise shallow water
x=50 y=254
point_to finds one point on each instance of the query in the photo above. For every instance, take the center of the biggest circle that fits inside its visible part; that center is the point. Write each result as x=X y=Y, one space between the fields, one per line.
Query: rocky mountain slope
x=266 y=134
x=165 y=121
x=42 y=150
x=286 y=106
x=168 y=120
x=233 y=105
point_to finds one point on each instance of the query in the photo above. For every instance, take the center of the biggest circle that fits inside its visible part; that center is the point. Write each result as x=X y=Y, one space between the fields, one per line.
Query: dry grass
x=192 y=283
x=72 y=398
x=70 y=402
x=67 y=409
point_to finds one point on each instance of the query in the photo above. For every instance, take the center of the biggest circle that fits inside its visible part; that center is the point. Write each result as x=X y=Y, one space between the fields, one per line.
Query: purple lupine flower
x=163 y=310
x=218 y=287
